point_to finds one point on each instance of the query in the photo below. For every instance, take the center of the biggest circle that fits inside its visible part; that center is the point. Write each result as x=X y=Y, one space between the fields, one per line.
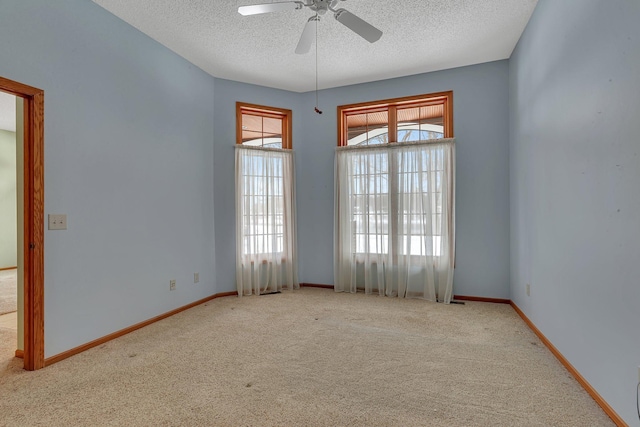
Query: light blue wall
x=129 y=159
x=480 y=101
x=575 y=180
x=481 y=128
x=227 y=94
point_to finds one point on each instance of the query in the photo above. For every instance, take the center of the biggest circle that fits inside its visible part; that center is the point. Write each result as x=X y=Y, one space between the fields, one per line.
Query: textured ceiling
x=7 y=112
x=419 y=36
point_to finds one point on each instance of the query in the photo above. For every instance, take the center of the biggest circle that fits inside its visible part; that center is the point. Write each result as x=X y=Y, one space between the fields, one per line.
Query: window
x=414 y=177
x=261 y=126
x=414 y=118
x=395 y=197
x=262 y=199
x=265 y=201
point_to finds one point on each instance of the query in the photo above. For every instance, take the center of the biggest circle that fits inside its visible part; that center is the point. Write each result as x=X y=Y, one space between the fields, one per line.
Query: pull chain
x=316 y=109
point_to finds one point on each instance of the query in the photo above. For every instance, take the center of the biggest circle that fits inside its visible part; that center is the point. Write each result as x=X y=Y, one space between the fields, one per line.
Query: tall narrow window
x=395 y=194
x=266 y=259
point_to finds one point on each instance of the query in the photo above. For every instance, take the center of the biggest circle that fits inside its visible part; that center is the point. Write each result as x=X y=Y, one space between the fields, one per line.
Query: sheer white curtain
x=266 y=259
x=395 y=219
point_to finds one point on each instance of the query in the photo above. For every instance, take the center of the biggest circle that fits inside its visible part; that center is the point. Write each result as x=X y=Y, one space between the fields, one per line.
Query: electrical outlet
x=528 y=289
x=57 y=222
x=172 y=285
x=196 y=277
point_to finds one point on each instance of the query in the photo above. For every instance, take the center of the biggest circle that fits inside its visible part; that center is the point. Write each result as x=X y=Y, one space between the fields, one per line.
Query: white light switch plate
x=57 y=222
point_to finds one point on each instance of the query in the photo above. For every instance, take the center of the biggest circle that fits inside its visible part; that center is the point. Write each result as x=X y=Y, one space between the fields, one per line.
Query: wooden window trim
x=264 y=111
x=391 y=105
x=33 y=228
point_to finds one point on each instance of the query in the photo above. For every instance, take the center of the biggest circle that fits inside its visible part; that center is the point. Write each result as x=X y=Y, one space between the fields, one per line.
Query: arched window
x=414 y=118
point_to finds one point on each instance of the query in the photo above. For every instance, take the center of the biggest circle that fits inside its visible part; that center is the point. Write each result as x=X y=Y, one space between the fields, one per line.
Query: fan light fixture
x=310 y=32
x=320 y=7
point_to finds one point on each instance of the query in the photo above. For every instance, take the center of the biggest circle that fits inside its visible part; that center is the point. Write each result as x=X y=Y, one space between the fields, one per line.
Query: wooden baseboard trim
x=20 y=354
x=589 y=389
x=72 y=352
x=481 y=299
x=8 y=268
x=315 y=285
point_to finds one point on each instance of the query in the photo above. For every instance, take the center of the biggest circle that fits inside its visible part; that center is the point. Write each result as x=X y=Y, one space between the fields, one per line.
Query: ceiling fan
x=320 y=7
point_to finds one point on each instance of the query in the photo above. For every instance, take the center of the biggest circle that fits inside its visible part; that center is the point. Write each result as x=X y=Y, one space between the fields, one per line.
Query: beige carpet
x=8 y=291
x=309 y=358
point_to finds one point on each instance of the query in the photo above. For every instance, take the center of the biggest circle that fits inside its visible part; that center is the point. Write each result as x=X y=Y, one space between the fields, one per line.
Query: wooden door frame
x=33 y=237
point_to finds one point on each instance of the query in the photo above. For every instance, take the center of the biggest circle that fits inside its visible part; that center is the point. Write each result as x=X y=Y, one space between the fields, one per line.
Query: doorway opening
x=10 y=310
x=31 y=220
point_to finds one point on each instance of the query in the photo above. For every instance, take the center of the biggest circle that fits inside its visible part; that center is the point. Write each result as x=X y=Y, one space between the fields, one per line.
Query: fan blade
x=257 y=9
x=358 y=26
x=307 y=36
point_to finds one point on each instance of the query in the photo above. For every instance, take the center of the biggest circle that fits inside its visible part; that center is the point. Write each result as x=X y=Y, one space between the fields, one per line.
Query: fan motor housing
x=321 y=6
